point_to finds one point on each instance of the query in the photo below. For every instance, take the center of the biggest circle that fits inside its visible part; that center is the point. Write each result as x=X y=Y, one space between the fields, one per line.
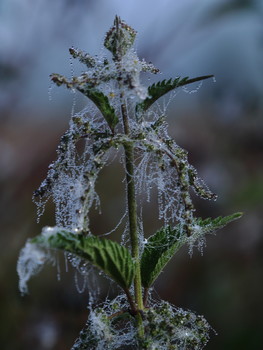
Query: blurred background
x=221 y=126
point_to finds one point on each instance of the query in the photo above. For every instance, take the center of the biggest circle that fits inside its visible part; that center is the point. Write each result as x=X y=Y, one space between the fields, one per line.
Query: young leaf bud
x=119 y=38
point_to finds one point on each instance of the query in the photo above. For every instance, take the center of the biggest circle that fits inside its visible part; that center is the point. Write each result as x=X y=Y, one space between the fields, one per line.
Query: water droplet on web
x=194 y=90
x=58 y=268
x=50 y=88
x=30 y=262
x=66 y=261
x=71 y=66
x=73 y=102
x=80 y=289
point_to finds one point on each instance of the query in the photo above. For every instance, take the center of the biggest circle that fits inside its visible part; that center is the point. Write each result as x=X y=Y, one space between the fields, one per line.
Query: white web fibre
x=30 y=262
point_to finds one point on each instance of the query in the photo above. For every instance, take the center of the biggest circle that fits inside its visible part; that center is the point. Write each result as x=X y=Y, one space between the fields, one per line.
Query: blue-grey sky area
x=182 y=37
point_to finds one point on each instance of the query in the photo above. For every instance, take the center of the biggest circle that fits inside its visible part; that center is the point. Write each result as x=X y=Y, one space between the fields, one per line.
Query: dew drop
x=58 y=268
x=73 y=102
x=66 y=261
x=50 y=88
x=80 y=289
x=71 y=67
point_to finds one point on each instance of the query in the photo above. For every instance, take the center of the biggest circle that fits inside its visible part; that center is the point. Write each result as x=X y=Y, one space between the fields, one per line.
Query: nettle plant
x=123 y=117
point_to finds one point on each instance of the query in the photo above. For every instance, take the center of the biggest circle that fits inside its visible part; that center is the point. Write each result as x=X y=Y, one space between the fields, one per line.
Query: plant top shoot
x=123 y=117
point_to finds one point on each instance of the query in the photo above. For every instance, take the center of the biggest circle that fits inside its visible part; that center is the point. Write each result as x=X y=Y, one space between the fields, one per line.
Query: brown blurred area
x=221 y=126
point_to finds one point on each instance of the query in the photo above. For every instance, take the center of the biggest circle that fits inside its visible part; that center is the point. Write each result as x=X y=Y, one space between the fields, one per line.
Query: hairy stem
x=132 y=207
x=145 y=297
x=130 y=300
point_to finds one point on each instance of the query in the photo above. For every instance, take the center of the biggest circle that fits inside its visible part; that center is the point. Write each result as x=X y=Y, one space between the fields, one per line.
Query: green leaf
x=102 y=102
x=87 y=88
x=210 y=225
x=159 y=89
x=158 y=250
x=161 y=247
x=110 y=257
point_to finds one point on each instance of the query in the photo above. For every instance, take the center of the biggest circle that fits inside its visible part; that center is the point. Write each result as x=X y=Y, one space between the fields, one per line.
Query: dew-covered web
x=122 y=220
x=154 y=170
x=70 y=183
x=111 y=326
x=99 y=334
x=71 y=178
x=162 y=165
x=32 y=259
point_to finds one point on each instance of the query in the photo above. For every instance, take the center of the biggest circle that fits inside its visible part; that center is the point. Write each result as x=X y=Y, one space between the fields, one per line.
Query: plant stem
x=131 y=302
x=132 y=207
x=145 y=296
